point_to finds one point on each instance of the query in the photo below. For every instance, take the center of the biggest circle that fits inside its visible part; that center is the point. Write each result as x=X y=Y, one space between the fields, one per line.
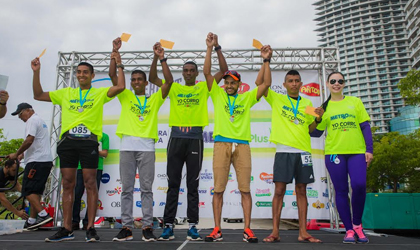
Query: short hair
x=88 y=65
x=10 y=163
x=292 y=73
x=137 y=71
x=193 y=63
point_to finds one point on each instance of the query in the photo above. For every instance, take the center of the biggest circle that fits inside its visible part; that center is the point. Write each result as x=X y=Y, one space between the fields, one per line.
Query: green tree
x=396 y=158
x=410 y=87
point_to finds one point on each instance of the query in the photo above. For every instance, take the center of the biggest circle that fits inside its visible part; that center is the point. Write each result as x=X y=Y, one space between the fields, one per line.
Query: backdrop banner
x=263 y=152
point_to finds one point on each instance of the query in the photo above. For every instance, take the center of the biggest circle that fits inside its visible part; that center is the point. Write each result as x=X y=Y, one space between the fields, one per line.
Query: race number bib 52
x=306 y=159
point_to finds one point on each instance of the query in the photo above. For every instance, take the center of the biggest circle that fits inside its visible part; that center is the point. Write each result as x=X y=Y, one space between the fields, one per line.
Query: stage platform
x=232 y=240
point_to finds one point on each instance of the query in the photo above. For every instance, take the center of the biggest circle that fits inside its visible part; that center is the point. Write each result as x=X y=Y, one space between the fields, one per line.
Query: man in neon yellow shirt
x=138 y=130
x=232 y=134
x=81 y=128
x=188 y=115
x=290 y=128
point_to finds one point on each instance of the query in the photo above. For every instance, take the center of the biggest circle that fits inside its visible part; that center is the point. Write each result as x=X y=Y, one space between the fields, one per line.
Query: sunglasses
x=333 y=81
x=20 y=113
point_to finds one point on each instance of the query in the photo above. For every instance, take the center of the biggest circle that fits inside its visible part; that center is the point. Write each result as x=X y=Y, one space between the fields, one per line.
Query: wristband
x=4 y=104
x=120 y=65
x=163 y=60
x=217 y=48
x=267 y=60
x=317 y=122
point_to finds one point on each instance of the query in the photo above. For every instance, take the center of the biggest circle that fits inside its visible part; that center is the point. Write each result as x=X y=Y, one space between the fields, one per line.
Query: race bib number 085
x=80 y=131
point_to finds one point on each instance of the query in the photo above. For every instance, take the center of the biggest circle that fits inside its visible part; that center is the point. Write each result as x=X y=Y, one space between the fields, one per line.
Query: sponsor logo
x=325 y=194
x=82 y=205
x=162 y=176
x=230 y=203
x=115 y=204
x=206 y=176
x=114 y=191
x=324 y=179
x=235 y=191
x=202 y=204
x=284 y=204
x=212 y=191
x=118 y=180
x=262 y=192
x=202 y=191
x=278 y=89
x=181 y=190
x=268 y=178
x=137 y=176
x=263 y=204
x=294 y=204
x=311 y=193
x=290 y=192
x=310 y=89
x=100 y=207
x=164 y=189
x=161 y=204
x=230 y=179
x=137 y=190
x=318 y=205
x=105 y=178
x=138 y=203
x=252 y=179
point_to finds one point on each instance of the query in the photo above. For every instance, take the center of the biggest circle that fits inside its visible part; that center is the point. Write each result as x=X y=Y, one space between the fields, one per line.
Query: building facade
x=407 y=121
x=373 y=45
x=412 y=17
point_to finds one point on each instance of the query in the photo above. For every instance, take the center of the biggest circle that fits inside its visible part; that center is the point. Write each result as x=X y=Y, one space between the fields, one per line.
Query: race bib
x=79 y=131
x=306 y=159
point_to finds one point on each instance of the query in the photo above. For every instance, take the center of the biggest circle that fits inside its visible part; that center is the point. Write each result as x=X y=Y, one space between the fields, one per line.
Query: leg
x=78 y=193
x=98 y=183
x=193 y=161
x=339 y=178
x=68 y=180
x=89 y=177
x=128 y=166
x=147 y=175
x=280 y=190
x=357 y=171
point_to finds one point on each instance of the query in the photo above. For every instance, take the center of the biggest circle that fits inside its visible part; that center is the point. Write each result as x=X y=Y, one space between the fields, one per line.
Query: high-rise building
x=373 y=45
x=412 y=16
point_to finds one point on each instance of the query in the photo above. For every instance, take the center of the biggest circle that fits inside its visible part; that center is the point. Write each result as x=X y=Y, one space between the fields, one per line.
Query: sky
x=28 y=27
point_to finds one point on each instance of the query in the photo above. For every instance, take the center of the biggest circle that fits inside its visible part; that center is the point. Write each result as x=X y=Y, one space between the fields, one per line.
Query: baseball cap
x=21 y=107
x=235 y=75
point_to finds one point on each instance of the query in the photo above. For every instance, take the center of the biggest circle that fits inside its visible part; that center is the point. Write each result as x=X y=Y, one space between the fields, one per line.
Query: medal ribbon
x=295 y=110
x=82 y=101
x=144 y=106
x=232 y=106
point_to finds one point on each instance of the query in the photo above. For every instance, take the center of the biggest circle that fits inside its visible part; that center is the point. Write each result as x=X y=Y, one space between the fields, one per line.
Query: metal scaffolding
x=323 y=60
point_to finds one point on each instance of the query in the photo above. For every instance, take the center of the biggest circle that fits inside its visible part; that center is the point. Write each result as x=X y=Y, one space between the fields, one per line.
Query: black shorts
x=71 y=152
x=40 y=172
x=289 y=165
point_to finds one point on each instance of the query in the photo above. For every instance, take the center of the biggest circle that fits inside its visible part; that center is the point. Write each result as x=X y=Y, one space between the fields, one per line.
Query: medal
x=141 y=118
x=142 y=108
x=232 y=118
x=295 y=109
x=296 y=121
x=231 y=108
x=337 y=161
x=80 y=110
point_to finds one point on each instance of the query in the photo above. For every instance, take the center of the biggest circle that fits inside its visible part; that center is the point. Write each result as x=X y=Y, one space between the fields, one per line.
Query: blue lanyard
x=332 y=158
x=295 y=110
x=232 y=106
x=82 y=101
x=144 y=106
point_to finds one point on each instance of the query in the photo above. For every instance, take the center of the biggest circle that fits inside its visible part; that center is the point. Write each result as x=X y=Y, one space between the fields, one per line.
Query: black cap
x=21 y=107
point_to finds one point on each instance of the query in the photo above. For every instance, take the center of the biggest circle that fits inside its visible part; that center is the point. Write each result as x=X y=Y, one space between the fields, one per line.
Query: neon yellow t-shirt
x=283 y=128
x=342 y=120
x=130 y=123
x=188 y=105
x=91 y=117
x=240 y=128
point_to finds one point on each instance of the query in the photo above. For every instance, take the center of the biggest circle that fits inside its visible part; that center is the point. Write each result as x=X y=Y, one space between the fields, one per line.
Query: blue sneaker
x=193 y=234
x=61 y=235
x=168 y=234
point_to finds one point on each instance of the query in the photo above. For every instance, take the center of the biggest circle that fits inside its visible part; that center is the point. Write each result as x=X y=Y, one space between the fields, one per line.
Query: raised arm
x=266 y=53
x=153 y=77
x=4 y=97
x=160 y=53
x=116 y=89
x=222 y=61
x=207 y=61
x=116 y=45
x=39 y=94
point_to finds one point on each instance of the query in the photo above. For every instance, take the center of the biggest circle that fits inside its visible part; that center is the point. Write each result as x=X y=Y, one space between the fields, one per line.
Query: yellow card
x=166 y=44
x=125 y=37
x=43 y=52
x=257 y=44
x=311 y=111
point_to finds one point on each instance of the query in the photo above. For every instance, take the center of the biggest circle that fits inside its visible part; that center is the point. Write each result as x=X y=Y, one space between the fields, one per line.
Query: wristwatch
x=120 y=65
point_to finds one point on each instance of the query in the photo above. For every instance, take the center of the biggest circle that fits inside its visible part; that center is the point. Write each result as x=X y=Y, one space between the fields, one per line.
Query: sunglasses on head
x=333 y=81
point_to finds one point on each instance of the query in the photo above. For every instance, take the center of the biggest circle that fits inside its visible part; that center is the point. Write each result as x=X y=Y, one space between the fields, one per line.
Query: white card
x=3 y=82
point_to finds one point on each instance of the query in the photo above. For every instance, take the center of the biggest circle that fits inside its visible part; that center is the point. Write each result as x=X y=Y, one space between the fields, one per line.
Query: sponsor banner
x=263 y=152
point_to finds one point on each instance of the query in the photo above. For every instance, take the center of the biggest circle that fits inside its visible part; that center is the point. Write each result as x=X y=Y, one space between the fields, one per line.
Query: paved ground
x=232 y=240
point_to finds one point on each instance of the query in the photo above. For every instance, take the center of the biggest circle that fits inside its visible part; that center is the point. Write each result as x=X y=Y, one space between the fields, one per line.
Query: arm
x=207 y=61
x=4 y=96
x=160 y=53
x=116 y=45
x=266 y=53
x=115 y=90
x=319 y=111
x=6 y=203
x=222 y=61
x=153 y=77
x=25 y=145
x=39 y=94
x=367 y=134
x=103 y=153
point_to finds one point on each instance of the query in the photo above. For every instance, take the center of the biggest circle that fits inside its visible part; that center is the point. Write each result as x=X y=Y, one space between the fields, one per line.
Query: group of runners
x=348 y=146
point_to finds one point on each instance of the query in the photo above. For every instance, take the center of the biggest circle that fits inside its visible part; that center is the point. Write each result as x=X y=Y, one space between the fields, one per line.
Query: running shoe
x=349 y=238
x=216 y=235
x=62 y=235
x=168 y=234
x=125 y=234
x=249 y=236
x=193 y=234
